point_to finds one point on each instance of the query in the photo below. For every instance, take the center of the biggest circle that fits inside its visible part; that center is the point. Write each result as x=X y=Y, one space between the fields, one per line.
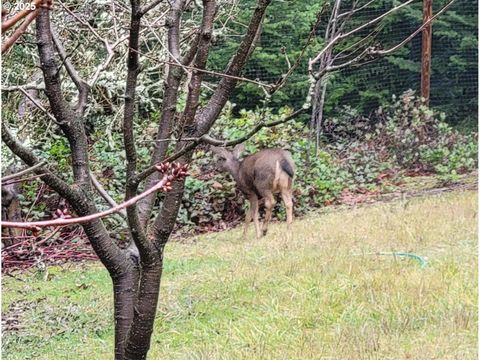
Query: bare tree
x=343 y=47
x=137 y=270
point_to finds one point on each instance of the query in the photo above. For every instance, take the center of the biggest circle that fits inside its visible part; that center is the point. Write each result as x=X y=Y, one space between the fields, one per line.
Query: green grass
x=321 y=295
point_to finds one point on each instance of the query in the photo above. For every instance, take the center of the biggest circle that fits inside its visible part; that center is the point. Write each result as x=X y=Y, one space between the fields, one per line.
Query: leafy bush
x=359 y=154
x=405 y=136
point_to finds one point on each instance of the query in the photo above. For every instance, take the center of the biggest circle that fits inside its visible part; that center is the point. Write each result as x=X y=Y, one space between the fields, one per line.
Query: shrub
x=358 y=154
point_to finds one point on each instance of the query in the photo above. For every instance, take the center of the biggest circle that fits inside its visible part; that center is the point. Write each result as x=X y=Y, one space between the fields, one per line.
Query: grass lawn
x=322 y=295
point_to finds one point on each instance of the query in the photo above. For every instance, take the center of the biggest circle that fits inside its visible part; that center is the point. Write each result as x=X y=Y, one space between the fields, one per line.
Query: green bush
x=358 y=153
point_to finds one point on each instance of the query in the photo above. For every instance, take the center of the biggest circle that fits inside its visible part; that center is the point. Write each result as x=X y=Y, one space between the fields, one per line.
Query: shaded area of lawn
x=321 y=295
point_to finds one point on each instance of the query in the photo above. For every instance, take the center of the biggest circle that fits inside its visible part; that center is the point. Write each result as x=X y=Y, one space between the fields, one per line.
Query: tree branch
x=211 y=141
x=37 y=104
x=372 y=51
x=7 y=44
x=31 y=86
x=103 y=193
x=7 y=24
x=283 y=79
x=82 y=86
x=339 y=37
x=60 y=108
x=199 y=63
x=182 y=64
x=23 y=172
x=209 y=114
x=27 y=156
x=146 y=8
x=163 y=184
x=137 y=230
x=173 y=25
x=412 y=35
x=194 y=142
x=169 y=107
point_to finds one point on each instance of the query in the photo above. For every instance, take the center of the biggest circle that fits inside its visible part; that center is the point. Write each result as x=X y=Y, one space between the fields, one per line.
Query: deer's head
x=228 y=160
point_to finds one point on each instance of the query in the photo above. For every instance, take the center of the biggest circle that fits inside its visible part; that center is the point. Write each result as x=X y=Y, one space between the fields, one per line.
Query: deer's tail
x=287 y=167
x=283 y=167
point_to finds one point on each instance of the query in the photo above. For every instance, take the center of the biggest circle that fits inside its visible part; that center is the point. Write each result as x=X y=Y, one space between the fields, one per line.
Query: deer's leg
x=254 y=214
x=287 y=200
x=269 y=204
x=248 y=217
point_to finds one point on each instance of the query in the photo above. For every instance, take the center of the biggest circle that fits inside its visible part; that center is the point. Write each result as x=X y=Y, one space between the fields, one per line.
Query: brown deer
x=260 y=175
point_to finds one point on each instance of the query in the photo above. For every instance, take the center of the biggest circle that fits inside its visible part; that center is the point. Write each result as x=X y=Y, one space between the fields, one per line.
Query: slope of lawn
x=322 y=295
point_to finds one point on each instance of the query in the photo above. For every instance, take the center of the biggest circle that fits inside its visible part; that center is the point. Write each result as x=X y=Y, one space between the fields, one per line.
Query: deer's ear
x=218 y=150
x=238 y=150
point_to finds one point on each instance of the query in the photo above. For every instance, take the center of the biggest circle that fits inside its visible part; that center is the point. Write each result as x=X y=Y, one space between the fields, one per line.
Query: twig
x=31 y=86
x=22 y=179
x=371 y=51
x=149 y=7
x=412 y=35
x=81 y=84
x=104 y=193
x=189 y=67
x=284 y=77
x=34 y=225
x=23 y=172
x=211 y=141
x=339 y=37
x=38 y=105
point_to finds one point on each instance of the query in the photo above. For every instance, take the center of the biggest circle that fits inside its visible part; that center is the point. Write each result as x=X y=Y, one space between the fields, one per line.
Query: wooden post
x=426 y=51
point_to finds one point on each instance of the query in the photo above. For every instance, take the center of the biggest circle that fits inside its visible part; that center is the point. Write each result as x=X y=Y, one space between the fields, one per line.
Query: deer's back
x=262 y=170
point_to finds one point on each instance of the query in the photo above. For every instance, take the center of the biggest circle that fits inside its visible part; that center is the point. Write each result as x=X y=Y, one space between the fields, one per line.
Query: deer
x=258 y=176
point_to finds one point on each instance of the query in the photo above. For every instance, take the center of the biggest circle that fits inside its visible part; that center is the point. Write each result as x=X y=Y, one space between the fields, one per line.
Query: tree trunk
x=426 y=51
x=318 y=103
x=124 y=294
x=138 y=338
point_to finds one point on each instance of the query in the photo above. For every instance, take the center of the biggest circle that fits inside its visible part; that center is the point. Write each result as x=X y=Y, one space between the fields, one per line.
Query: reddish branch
x=29 y=14
x=19 y=32
x=20 y=15
x=178 y=171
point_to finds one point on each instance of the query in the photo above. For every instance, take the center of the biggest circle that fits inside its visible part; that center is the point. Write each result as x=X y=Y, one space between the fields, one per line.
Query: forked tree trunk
x=136 y=271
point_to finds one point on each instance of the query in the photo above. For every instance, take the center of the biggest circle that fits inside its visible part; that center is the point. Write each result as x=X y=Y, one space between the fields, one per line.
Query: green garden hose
x=421 y=260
